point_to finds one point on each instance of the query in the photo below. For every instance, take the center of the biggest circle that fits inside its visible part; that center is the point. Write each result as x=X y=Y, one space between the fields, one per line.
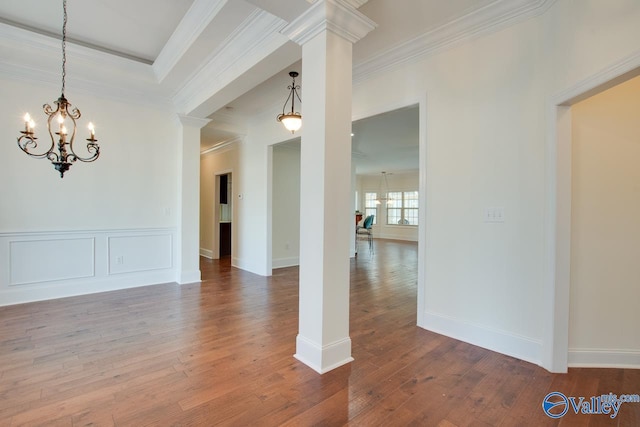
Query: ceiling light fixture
x=64 y=118
x=292 y=120
x=384 y=197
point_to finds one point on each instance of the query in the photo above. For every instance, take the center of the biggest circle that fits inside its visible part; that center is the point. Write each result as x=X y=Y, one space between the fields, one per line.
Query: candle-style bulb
x=63 y=130
x=28 y=123
x=92 y=130
x=60 y=119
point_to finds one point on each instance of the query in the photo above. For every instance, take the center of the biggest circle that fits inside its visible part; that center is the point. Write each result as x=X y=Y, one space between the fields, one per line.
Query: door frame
x=555 y=344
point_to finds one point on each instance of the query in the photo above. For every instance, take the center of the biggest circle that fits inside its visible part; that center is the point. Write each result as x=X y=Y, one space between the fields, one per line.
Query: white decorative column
x=188 y=245
x=326 y=32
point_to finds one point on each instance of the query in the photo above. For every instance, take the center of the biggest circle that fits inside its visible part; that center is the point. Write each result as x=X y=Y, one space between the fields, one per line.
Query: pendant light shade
x=292 y=120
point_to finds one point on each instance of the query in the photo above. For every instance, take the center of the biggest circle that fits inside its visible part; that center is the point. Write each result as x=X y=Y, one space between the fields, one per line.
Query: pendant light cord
x=64 y=44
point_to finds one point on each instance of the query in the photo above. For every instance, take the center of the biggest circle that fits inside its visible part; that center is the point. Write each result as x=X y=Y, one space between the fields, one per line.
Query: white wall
x=106 y=225
x=487 y=124
x=254 y=185
x=286 y=206
x=485 y=139
x=605 y=231
x=485 y=143
x=406 y=181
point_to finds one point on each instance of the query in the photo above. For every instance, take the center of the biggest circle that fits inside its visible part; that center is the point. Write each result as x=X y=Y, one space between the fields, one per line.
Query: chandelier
x=292 y=120
x=384 y=197
x=60 y=122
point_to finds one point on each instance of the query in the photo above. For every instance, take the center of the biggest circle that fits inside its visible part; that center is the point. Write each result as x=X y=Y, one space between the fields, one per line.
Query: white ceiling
x=226 y=59
x=133 y=28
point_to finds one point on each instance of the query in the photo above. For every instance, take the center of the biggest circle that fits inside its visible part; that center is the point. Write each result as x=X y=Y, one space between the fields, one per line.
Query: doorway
x=223 y=216
x=559 y=220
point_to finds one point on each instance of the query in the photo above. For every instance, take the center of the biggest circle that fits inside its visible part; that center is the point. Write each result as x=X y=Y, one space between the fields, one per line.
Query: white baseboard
x=604 y=358
x=189 y=276
x=514 y=345
x=392 y=236
x=207 y=253
x=286 y=262
x=64 y=289
x=323 y=359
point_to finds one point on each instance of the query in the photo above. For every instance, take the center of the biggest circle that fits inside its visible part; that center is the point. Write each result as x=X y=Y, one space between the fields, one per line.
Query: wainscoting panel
x=128 y=254
x=33 y=261
x=37 y=266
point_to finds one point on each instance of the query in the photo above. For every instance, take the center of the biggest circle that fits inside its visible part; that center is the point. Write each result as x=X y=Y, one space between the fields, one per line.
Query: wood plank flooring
x=220 y=353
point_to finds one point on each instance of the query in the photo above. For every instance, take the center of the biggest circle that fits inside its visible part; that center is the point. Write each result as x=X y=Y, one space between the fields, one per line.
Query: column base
x=323 y=359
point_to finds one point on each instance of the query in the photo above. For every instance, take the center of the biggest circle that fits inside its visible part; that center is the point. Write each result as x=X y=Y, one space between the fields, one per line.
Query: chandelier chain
x=64 y=44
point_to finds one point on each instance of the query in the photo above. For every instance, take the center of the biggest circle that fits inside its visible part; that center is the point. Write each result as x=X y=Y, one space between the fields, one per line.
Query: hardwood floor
x=220 y=353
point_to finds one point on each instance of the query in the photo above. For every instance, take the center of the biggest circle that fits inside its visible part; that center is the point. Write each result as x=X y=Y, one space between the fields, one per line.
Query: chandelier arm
x=53 y=156
x=92 y=148
x=295 y=90
x=285 y=104
x=74 y=114
x=28 y=142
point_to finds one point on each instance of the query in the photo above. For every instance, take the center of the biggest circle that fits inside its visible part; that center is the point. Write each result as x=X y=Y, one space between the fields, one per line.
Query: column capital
x=337 y=16
x=190 y=121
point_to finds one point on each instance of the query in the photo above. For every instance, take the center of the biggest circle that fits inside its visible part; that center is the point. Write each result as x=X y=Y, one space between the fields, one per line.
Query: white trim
x=51 y=46
x=356 y=4
x=326 y=358
x=195 y=122
x=207 y=253
x=517 y=346
x=337 y=16
x=558 y=205
x=422 y=209
x=189 y=276
x=131 y=81
x=286 y=262
x=102 y=256
x=621 y=71
x=65 y=233
x=193 y=23
x=222 y=144
x=489 y=19
x=63 y=290
x=601 y=358
x=253 y=40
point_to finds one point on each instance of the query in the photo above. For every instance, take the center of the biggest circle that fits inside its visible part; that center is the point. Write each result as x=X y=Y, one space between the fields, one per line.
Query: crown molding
x=251 y=42
x=337 y=16
x=18 y=39
x=195 y=21
x=356 y=4
x=194 y=122
x=114 y=92
x=30 y=57
x=222 y=144
x=489 y=19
